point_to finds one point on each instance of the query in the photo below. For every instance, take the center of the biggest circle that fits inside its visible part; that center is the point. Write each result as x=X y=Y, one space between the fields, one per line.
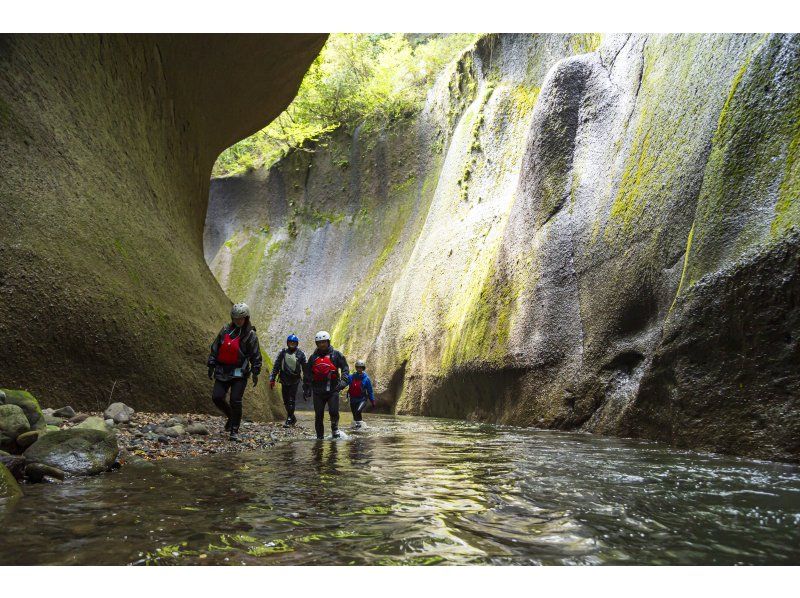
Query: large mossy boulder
x=28 y=403
x=75 y=451
x=8 y=485
x=12 y=423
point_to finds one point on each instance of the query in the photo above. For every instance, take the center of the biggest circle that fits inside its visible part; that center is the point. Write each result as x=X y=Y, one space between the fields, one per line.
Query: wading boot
x=234 y=437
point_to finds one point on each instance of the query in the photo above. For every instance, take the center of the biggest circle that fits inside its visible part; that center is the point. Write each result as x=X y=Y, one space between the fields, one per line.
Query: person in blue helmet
x=289 y=369
x=360 y=391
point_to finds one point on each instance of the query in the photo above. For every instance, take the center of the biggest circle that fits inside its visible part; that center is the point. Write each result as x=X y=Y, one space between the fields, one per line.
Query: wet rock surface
x=75 y=451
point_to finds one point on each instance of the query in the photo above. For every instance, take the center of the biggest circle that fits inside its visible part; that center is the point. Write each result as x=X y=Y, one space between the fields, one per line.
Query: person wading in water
x=289 y=367
x=360 y=391
x=328 y=371
x=235 y=354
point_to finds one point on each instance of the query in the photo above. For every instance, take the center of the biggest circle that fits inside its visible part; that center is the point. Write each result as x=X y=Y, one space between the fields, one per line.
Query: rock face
x=8 y=485
x=107 y=144
x=75 y=451
x=577 y=232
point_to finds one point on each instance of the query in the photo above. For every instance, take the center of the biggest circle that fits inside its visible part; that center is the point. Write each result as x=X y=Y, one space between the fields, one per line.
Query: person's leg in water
x=289 y=392
x=319 y=414
x=218 y=396
x=333 y=409
x=237 y=394
x=355 y=409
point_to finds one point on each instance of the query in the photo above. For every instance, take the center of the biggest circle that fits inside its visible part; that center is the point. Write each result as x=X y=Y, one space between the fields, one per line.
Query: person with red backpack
x=360 y=391
x=329 y=374
x=235 y=355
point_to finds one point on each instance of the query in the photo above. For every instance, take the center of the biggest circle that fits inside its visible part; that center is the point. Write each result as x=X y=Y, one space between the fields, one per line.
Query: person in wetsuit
x=235 y=355
x=360 y=391
x=328 y=373
x=289 y=368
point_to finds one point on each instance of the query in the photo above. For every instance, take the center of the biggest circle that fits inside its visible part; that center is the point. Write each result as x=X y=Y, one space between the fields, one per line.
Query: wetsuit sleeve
x=343 y=365
x=277 y=366
x=302 y=359
x=212 y=357
x=307 y=369
x=368 y=387
x=255 y=355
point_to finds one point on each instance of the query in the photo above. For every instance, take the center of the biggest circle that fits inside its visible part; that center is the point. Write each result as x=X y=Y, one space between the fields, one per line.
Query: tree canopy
x=358 y=78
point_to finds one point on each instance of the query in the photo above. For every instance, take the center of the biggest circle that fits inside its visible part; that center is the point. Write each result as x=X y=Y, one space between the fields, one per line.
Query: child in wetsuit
x=360 y=391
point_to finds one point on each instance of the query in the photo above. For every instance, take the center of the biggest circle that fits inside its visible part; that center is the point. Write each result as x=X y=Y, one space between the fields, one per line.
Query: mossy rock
x=93 y=423
x=13 y=421
x=77 y=452
x=8 y=485
x=28 y=438
x=29 y=404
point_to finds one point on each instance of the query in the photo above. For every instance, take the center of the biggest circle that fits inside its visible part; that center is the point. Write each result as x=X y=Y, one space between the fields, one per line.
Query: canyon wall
x=576 y=232
x=106 y=149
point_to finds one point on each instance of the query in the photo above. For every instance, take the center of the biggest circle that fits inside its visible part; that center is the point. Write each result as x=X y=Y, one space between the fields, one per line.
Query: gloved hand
x=272 y=383
x=372 y=402
x=211 y=372
x=255 y=379
x=342 y=384
x=306 y=392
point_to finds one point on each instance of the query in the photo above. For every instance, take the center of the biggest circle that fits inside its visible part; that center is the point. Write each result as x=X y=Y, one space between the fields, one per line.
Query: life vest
x=290 y=364
x=356 y=388
x=229 y=353
x=323 y=369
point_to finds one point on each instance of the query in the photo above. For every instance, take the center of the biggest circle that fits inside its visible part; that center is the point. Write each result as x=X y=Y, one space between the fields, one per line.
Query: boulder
x=109 y=423
x=52 y=420
x=65 y=412
x=48 y=411
x=36 y=472
x=75 y=451
x=119 y=412
x=28 y=438
x=7 y=444
x=2 y=398
x=28 y=403
x=172 y=431
x=50 y=428
x=78 y=418
x=9 y=488
x=197 y=429
x=13 y=421
x=175 y=421
x=93 y=423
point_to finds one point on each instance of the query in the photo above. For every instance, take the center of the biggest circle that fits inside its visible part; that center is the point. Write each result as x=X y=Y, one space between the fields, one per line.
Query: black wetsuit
x=290 y=381
x=225 y=376
x=326 y=392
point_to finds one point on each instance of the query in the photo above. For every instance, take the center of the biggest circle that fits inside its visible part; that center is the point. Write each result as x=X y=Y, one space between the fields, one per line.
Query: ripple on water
x=420 y=491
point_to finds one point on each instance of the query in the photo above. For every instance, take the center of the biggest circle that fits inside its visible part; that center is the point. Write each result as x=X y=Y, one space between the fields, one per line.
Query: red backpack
x=355 y=389
x=323 y=369
x=228 y=353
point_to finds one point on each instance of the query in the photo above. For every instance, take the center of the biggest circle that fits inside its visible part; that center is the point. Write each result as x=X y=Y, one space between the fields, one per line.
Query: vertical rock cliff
x=576 y=232
x=106 y=149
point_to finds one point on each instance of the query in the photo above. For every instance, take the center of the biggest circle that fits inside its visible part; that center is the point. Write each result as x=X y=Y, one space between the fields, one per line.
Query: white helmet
x=360 y=363
x=322 y=336
x=240 y=310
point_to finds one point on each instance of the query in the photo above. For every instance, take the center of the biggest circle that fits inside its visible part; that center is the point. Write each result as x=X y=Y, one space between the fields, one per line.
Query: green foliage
x=369 y=79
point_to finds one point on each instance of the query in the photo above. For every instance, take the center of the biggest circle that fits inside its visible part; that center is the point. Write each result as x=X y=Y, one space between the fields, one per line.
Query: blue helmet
x=292 y=338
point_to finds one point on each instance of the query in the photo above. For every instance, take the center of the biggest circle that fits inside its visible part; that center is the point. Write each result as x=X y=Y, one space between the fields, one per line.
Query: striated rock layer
x=577 y=232
x=106 y=150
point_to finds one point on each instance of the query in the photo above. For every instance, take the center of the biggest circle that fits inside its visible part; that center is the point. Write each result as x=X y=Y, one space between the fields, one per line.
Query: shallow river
x=419 y=491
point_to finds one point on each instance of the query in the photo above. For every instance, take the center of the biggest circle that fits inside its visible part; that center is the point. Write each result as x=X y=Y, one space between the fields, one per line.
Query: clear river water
x=410 y=490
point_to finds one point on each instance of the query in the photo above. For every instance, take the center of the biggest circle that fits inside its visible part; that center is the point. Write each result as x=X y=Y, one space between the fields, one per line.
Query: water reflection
x=420 y=491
